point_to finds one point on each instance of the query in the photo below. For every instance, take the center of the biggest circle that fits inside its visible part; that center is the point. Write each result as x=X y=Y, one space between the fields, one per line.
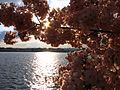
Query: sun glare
x=44 y=67
x=45 y=58
x=53 y=4
x=47 y=24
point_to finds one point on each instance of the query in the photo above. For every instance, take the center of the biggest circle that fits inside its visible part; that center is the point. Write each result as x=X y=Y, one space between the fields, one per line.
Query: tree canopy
x=95 y=23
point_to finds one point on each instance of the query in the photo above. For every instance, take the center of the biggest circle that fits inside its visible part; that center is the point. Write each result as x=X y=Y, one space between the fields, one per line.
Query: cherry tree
x=95 y=23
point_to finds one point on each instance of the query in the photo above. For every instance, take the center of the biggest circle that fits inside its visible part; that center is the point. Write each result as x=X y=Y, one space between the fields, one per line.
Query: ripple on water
x=29 y=71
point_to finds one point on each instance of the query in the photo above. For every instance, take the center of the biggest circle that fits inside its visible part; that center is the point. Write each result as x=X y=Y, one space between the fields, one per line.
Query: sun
x=52 y=4
x=47 y=24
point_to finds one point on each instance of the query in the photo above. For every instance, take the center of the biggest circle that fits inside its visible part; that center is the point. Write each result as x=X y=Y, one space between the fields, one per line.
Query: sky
x=32 y=43
x=17 y=2
x=58 y=3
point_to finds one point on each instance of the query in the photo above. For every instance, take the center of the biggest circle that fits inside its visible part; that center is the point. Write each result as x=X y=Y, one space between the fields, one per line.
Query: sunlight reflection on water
x=45 y=67
x=29 y=70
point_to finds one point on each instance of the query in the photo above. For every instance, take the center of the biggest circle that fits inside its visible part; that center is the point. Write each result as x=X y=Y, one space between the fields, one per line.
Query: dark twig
x=104 y=31
x=94 y=30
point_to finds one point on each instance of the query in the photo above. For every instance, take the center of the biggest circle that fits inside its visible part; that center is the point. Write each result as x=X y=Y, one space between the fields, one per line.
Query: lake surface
x=29 y=70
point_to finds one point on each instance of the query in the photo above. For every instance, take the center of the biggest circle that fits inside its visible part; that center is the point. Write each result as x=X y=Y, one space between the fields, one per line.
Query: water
x=29 y=71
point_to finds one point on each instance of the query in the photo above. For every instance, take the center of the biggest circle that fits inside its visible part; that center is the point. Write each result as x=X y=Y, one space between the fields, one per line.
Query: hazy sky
x=10 y=0
x=17 y=2
x=52 y=3
x=58 y=3
x=32 y=42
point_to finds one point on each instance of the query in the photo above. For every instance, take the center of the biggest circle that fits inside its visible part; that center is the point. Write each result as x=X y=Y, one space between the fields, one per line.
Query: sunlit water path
x=29 y=71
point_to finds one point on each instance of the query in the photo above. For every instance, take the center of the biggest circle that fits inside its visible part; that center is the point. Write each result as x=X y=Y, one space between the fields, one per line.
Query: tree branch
x=104 y=31
x=94 y=30
x=37 y=18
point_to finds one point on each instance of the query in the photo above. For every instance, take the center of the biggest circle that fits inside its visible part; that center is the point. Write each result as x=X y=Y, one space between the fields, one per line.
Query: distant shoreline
x=38 y=49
